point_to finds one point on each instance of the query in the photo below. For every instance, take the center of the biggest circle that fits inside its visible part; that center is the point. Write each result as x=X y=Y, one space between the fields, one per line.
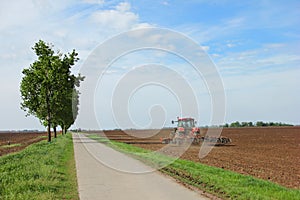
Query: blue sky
x=254 y=45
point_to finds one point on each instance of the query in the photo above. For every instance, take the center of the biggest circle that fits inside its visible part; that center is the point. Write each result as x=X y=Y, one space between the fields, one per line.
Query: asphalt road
x=98 y=178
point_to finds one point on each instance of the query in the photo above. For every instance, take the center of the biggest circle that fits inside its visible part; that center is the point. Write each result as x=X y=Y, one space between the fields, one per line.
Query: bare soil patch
x=15 y=141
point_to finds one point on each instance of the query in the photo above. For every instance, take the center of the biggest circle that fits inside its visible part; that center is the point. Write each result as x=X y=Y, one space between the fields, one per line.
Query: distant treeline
x=255 y=124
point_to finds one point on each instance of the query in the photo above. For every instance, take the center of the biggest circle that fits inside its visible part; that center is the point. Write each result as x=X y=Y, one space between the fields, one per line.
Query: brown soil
x=267 y=153
x=23 y=139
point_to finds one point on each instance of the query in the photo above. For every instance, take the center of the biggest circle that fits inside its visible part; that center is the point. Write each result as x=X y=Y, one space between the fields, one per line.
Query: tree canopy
x=49 y=89
x=256 y=124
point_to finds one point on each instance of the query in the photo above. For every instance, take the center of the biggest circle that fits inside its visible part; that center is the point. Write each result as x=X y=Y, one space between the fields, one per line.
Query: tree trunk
x=54 y=129
x=48 y=108
x=49 y=131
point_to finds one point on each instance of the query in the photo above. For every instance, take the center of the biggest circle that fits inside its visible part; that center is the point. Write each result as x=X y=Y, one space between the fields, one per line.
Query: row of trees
x=257 y=124
x=49 y=89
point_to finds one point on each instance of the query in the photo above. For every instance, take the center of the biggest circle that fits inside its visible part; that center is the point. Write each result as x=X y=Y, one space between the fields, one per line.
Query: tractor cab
x=185 y=125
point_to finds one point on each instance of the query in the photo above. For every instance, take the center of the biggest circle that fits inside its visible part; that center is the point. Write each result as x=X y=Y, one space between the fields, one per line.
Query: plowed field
x=268 y=153
x=12 y=141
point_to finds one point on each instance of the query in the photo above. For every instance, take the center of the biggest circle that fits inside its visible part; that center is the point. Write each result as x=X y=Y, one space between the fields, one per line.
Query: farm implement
x=187 y=132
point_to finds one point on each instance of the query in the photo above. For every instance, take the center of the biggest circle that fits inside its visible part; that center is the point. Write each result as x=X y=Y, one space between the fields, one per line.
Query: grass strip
x=222 y=183
x=11 y=145
x=41 y=171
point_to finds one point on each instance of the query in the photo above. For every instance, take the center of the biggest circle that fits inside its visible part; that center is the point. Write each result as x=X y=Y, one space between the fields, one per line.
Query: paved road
x=97 y=181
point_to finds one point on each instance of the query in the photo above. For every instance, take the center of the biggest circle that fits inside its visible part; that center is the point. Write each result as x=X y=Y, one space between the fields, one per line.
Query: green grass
x=41 y=171
x=222 y=183
x=11 y=145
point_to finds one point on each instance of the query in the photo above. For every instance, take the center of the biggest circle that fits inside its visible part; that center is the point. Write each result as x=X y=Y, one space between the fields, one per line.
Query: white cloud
x=234 y=22
x=279 y=60
x=205 y=48
x=123 y=7
x=230 y=45
x=119 y=19
x=143 y=25
x=268 y=57
x=205 y=33
x=165 y=3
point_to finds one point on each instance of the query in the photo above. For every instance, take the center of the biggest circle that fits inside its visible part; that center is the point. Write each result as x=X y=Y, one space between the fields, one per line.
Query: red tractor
x=187 y=132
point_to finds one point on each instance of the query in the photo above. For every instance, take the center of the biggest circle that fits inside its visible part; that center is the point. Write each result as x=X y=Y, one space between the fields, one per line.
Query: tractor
x=187 y=132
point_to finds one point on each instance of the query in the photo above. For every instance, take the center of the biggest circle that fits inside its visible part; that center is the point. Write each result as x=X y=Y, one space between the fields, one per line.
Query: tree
x=68 y=100
x=235 y=124
x=46 y=84
x=69 y=105
x=259 y=123
x=244 y=124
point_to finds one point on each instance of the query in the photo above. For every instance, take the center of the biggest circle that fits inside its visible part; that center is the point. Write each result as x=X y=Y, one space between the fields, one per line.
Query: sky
x=254 y=46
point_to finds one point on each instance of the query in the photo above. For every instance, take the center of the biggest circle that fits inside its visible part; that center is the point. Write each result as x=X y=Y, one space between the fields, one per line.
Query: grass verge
x=222 y=183
x=11 y=145
x=41 y=171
